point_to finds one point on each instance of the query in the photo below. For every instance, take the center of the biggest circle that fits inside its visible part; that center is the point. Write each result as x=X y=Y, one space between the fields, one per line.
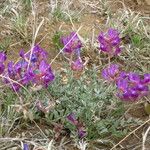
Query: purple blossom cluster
x=32 y=68
x=72 y=47
x=71 y=42
x=130 y=86
x=110 y=42
x=80 y=128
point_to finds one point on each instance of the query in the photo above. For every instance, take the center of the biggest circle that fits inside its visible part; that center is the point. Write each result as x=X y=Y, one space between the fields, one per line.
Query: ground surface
x=92 y=16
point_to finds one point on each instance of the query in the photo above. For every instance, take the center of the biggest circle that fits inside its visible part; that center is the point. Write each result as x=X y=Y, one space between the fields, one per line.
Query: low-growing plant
x=84 y=106
x=4 y=45
x=27 y=3
x=20 y=26
x=56 y=40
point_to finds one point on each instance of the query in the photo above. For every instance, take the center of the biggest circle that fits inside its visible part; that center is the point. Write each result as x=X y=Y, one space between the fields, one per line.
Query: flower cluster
x=110 y=42
x=72 y=46
x=131 y=86
x=71 y=42
x=31 y=68
x=80 y=129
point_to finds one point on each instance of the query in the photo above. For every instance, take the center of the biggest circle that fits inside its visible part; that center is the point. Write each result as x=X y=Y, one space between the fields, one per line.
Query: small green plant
x=27 y=3
x=20 y=26
x=137 y=40
x=56 y=40
x=4 y=45
x=58 y=14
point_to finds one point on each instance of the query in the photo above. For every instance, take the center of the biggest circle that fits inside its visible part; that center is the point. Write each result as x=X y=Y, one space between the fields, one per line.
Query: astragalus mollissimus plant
x=88 y=98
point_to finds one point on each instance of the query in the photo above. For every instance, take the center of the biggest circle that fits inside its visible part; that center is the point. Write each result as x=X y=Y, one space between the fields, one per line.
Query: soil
x=90 y=23
x=142 y=6
x=134 y=141
x=139 y=6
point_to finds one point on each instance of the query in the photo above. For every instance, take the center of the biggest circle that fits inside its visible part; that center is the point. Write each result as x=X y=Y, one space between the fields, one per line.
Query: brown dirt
x=139 y=5
x=89 y=22
x=134 y=141
x=142 y=6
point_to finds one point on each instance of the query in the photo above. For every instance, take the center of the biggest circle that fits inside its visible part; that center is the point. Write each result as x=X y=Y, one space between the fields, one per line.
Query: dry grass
x=61 y=15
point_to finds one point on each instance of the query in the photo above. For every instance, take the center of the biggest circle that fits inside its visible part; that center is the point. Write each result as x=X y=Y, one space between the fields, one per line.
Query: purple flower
x=80 y=128
x=71 y=117
x=141 y=87
x=78 y=51
x=111 y=72
x=26 y=78
x=11 y=70
x=122 y=84
x=134 y=77
x=128 y=95
x=2 y=57
x=81 y=133
x=25 y=146
x=43 y=67
x=132 y=94
x=123 y=75
x=43 y=75
x=2 y=68
x=48 y=78
x=117 y=50
x=110 y=42
x=19 y=73
x=114 y=36
x=146 y=79
x=16 y=86
x=38 y=54
x=22 y=53
x=71 y=43
x=34 y=58
x=20 y=67
x=77 y=65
